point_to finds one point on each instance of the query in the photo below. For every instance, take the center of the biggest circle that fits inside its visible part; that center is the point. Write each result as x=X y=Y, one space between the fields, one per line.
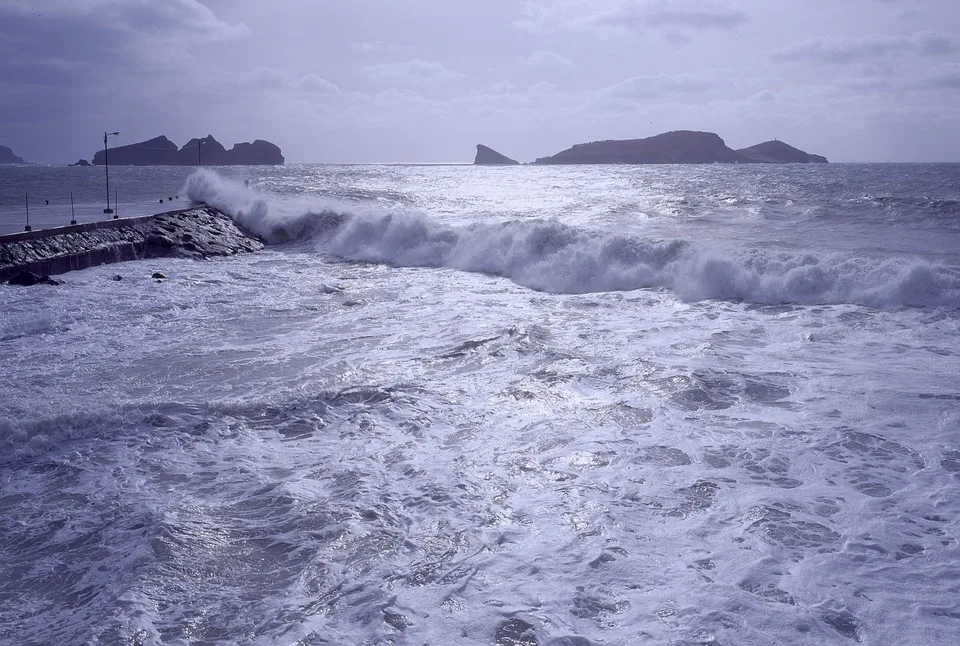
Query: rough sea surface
x=564 y=406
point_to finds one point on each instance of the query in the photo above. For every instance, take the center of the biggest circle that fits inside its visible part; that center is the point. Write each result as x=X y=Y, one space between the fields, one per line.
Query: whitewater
x=564 y=406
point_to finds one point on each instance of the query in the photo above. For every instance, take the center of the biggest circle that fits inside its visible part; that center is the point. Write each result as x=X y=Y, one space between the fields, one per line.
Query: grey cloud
x=546 y=58
x=945 y=78
x=395 y=103
x=641 y=91
x=414 y=71
x=635 y=15
x=139 y=17
x=642 y=87
x=838 y=52
x=362 y=47
x=100 y=38
x=703 y=15
x=764 y=96
x=272 y=78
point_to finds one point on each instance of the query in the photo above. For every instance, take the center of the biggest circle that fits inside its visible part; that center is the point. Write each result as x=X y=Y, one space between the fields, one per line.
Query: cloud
x=396 y=104
x=831 y=51
x=546 y=58
x=668 y=16
x=277 y=79
x=764 y=96
x=414 y=71
x=674 y=14
x=361 y=47
x=944 y=78
x=659 y=85
x=501 y=87
x=105 y=38
x=366 y=48
x=145 y=18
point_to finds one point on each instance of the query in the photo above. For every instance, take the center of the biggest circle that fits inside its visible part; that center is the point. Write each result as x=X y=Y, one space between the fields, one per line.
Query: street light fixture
x=106 y=167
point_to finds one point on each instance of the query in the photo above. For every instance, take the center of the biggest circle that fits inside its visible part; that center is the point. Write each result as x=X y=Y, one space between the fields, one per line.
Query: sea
x=535 y=405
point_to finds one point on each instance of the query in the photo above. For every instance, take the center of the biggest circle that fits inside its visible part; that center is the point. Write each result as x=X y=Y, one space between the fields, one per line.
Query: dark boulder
x=82 y=162
x=157 y=245
x=29 y=279
x=515 y=632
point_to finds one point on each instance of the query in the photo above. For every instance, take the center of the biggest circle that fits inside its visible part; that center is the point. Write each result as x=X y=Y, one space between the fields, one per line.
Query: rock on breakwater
x=198 y=232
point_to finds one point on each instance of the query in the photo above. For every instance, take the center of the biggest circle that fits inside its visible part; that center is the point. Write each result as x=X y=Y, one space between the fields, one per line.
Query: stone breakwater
x=199 y=232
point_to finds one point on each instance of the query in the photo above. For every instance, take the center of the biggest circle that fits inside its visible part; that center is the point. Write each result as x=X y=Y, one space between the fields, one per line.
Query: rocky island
x=778 y=152
x=206 y=151
x=679 y=147
x=487 y=156
x=7 y=157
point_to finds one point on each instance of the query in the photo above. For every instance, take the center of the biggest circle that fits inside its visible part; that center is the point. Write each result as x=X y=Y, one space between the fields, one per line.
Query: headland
x=7 y=157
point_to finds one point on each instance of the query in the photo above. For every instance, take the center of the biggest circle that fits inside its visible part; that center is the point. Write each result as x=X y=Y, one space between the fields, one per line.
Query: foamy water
x=561 y=406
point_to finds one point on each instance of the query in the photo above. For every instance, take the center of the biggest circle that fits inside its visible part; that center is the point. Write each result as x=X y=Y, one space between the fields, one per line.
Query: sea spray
x=553 y=257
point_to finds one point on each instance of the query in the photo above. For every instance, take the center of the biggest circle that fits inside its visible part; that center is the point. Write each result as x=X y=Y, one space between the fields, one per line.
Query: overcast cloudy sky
x=425 y=80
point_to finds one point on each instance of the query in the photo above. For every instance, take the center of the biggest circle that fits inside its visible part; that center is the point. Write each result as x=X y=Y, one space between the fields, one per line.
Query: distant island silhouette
x=7 y=157
x=160 y=151
x=778 y=152
x=487 y=156
x=676 y=147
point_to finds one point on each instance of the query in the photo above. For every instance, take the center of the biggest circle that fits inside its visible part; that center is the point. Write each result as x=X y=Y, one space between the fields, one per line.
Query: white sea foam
x=559 y=258
x=240 y=454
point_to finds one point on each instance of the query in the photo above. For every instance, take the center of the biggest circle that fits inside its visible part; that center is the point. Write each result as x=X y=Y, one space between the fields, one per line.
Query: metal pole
x=26 y=201
x=106 y=169
x=73 y=213
x=116 y=205
x=199 y=146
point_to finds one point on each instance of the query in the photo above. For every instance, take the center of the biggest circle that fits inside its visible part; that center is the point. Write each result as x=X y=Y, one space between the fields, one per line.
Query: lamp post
x=199 y=146
x=106 y=166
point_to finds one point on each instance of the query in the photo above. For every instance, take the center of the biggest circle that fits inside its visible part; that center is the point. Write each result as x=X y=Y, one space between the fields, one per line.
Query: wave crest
x=553 y=257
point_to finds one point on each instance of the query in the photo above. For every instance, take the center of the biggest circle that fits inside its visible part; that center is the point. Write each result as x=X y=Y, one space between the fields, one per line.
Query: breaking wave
x=554 y=257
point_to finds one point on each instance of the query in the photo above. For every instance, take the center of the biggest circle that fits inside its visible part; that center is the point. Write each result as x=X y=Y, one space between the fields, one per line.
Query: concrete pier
x=198 y=232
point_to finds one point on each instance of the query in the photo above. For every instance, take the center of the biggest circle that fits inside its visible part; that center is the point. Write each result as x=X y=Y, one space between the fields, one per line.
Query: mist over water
x=583 y=405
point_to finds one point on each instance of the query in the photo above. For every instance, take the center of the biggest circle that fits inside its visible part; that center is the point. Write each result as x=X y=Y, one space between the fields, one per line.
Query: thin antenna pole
x=106 y=171
x=26 y=201
x=73 y=213
x=106 y=168
x=116 y=205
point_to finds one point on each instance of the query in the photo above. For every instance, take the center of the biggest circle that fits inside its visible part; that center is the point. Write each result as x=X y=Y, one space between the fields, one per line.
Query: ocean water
x=563 y=406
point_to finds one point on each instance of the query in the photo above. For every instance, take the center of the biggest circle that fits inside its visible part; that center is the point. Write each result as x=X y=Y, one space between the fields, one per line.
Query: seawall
x=198 y=232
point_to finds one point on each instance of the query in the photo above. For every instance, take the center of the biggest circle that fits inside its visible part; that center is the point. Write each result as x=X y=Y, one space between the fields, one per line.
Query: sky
x=424 y=81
